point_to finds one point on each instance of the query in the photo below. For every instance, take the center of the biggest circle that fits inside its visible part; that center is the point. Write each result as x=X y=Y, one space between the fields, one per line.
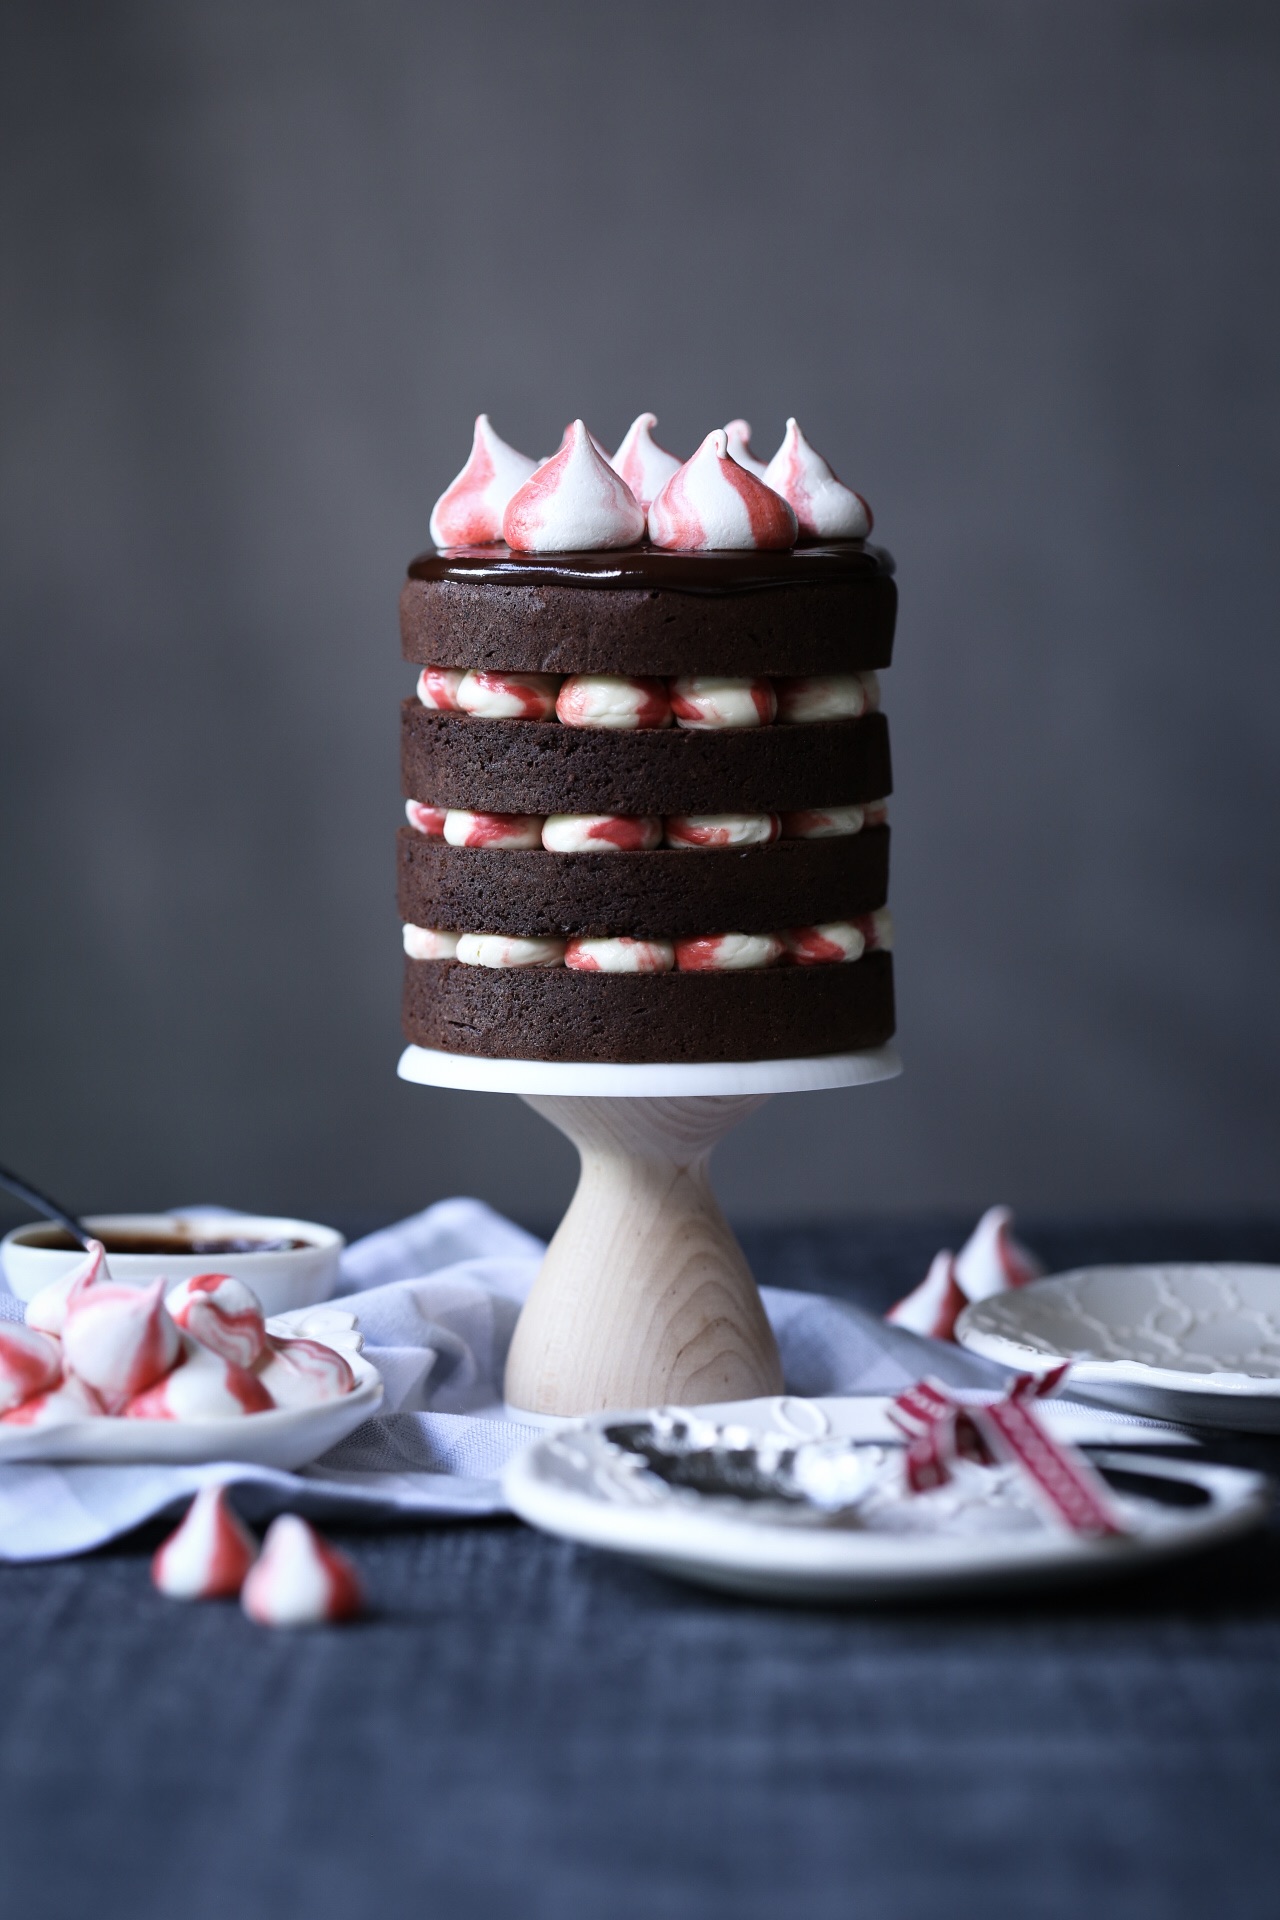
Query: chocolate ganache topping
x=642 y=567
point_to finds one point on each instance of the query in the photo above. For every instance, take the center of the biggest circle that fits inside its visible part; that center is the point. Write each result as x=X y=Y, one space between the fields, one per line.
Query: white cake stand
x=644 y=1296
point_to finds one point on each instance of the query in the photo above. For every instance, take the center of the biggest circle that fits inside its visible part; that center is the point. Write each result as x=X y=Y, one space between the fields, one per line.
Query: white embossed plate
x=288 y=1437
x=1194 y=1343
x=724 y=1527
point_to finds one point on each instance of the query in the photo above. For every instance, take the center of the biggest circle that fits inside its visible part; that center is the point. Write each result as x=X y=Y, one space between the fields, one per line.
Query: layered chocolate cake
x=645 y=767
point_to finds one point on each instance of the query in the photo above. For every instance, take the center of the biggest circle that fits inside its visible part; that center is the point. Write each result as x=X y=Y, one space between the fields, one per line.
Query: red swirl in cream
x=575 y=503
x=613 y=700
x=511 y=830
x=620 y=955
x=508 y=696
x=707 y=702
x=824 y=506
x=712 y=502
x=428 y=821
x=643 y=464
x=469 y=511
x=601 y=833
x=438 y=688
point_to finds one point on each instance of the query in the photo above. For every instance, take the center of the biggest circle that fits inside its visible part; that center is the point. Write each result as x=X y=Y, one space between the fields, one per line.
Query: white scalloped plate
x=1200 y=1344
x=287 y=1438
x=574 y=1484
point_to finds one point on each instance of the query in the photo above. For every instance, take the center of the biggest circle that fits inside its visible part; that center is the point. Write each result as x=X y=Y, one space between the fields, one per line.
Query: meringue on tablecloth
x=436 y=1297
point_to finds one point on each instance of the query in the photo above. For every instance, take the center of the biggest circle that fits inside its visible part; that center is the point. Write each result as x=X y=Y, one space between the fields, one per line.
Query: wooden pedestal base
x=644 y=1295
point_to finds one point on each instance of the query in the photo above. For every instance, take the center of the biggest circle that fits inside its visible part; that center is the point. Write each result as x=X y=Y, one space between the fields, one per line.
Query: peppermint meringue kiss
x=47 y=1309
x=574 y=503
x=30 y=1363
x=825 y=508
x=712 y=502
x=223 y=1314
x=203 y=1386
x=305 y=1373
x=299 y=1580
x=738 y=434
x=469 y=511
x=643 y=464
x=209 y=1555
x=119 y=1340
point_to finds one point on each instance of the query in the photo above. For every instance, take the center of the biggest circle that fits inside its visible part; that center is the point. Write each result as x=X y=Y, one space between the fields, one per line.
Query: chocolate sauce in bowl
x=170 y=1245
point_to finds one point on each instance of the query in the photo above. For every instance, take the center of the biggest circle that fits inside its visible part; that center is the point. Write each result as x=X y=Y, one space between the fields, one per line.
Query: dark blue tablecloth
x=530 y=1730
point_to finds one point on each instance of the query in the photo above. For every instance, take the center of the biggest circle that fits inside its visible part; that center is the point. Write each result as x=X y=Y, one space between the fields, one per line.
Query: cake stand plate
x=644 y=1295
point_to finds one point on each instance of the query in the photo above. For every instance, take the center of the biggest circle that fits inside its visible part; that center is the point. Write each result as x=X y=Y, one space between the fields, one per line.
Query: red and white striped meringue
x=119 y=1340
x=305 y=1373
x=722 y=829
x=438 y=688
x=70 y=1400
x=992 y=1261
x=601 y=833
x=620 y=955
x=508 y=696
x=222 y=1313
x=935 y=1305
x=429 y=943
x=209 y=1555
x=575 y=503
x=876 y=929
x=728 y=952
x=510 y=830
x=469 y=511
x=46 y=1310
x=507 y=950
x=428 y=821
x=299 y=1580
x=705 y=702
x=203 y=1386
x=825 y=508
x=738 y=435
x=823 y=823
x=613 y=700
x=712 y=502
x=642 y=463
x=826 y=696
x=825 y=945
x=30 y=1363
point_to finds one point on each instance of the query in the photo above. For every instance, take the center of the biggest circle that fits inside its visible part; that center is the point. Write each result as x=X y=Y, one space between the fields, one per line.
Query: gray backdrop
x=1014 y=267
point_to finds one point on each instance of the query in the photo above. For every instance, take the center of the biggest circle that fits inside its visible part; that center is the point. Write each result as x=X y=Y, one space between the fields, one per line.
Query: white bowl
x=295 y=1277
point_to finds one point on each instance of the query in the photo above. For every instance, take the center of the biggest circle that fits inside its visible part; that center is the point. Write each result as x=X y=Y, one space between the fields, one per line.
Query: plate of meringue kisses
x=108 y=1373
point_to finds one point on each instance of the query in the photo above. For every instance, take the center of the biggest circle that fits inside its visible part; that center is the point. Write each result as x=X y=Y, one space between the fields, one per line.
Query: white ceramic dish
x=1199 y=1344
x=574 y=1483
x=295 y=1277
x=431 y=1067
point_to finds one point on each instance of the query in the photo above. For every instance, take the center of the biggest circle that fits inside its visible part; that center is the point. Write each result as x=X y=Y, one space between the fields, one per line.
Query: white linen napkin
x=436 y=1297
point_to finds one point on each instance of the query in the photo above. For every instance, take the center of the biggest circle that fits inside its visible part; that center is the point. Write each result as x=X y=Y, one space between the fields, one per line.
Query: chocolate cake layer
x=556 y=1014
x=538 y=766
x=643 y=611
x=664 y=895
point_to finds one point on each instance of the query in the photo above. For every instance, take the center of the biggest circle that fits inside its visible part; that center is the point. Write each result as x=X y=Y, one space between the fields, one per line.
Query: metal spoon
x=43 y=1204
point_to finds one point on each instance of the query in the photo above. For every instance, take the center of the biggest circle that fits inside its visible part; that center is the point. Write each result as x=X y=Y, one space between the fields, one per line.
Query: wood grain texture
x=644 y=1295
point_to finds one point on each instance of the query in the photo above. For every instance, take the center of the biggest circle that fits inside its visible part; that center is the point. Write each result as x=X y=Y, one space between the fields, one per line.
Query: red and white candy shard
x=612 y=700
x=712 y=502
x=46 y=1311
x=119 y=1340
x=305 y=1373
x=575 y=503
x=935 y=1305
x=826 y=945
x=508 y=696
x=469 y=511
x=620 y=955
x=728 y=952
x=429 y=943
x=601 y=833
x=428 y=821
x=992 y=1261
x=705 y=702
x=738 y=435
x=209 y=1555
x=203 y=1386
x=643 y=464
x=30 y=1363
x=299 y=1580
x=824 y=506
x=823 y=823
x=828 y=696
x=438 y=688
x=70 y=1400
x=722 y=829
x=510 y=830
x=507 y=950
x=222 y=1313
